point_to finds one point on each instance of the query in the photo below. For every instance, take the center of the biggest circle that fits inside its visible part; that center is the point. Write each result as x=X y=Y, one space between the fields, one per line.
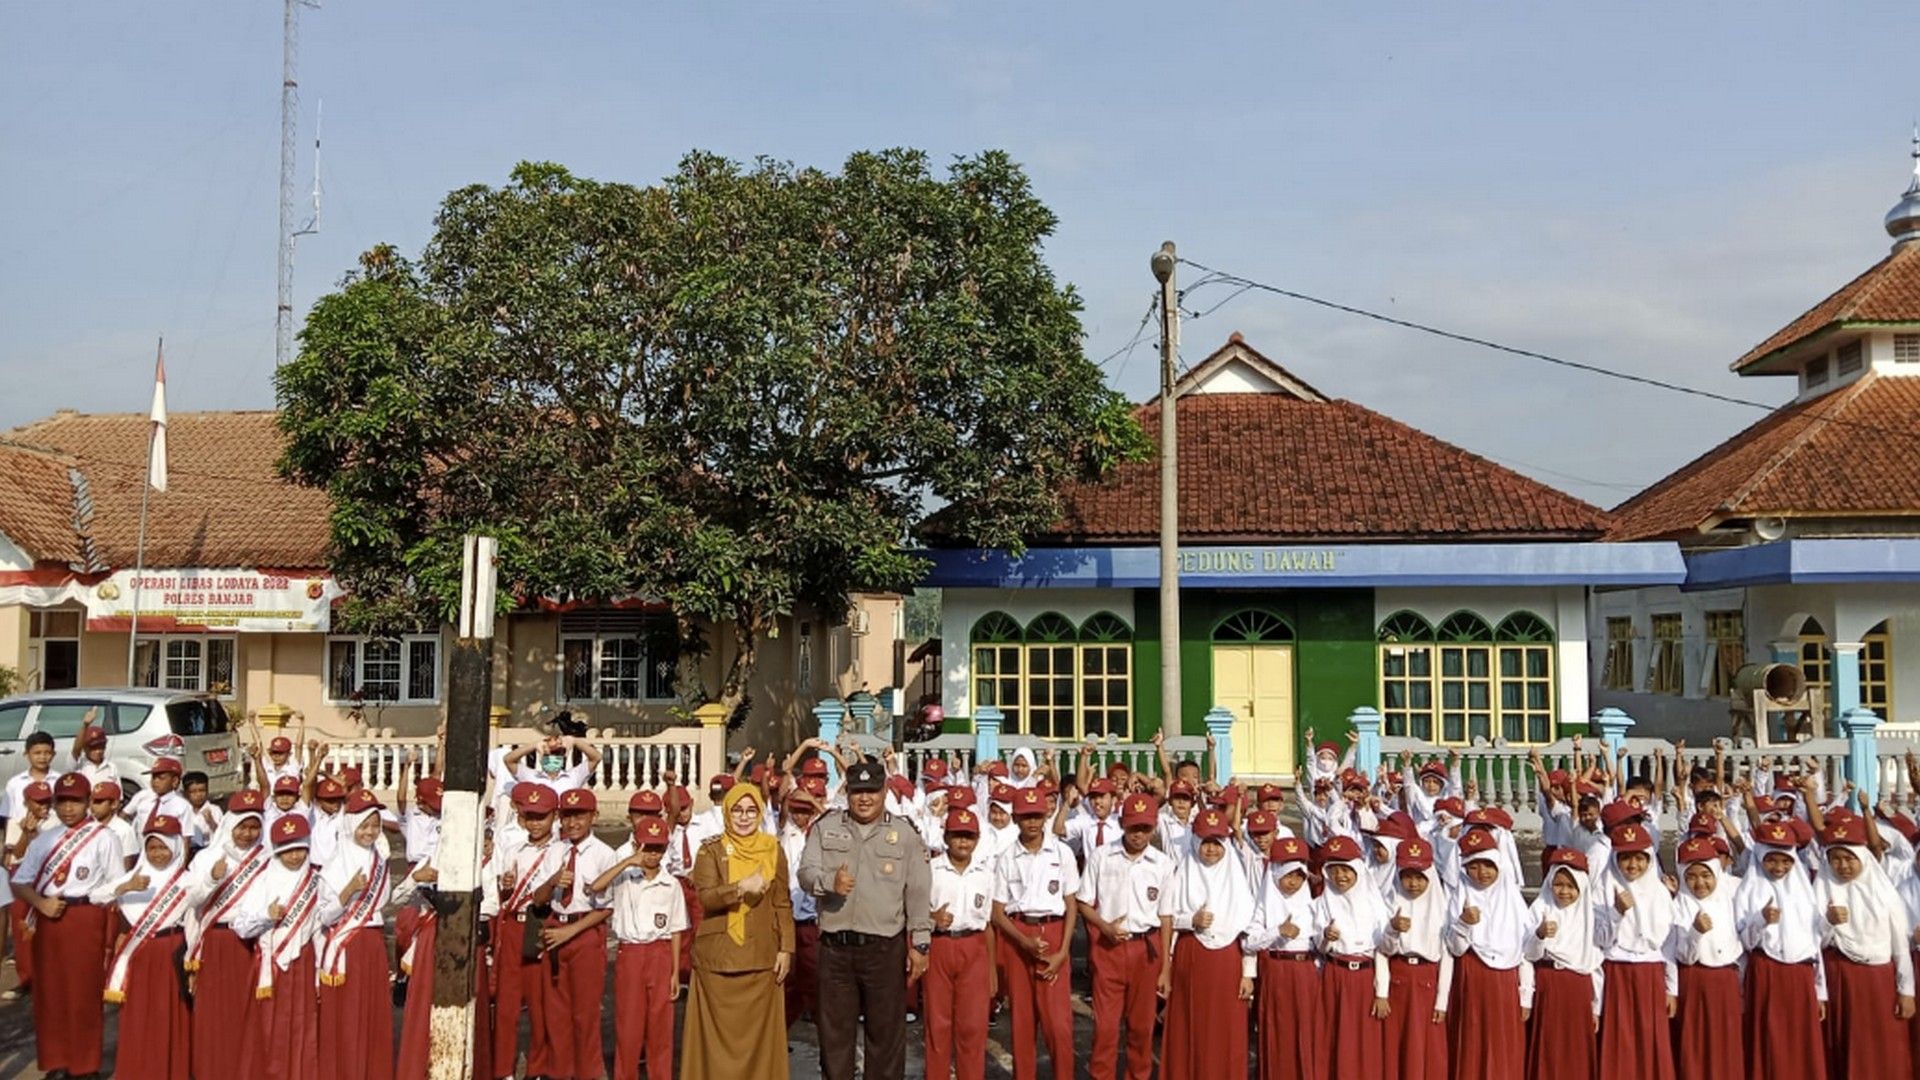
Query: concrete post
x=829 y=714
x=1612 y=726
x=713 y=749
x=986 y=735
x=273 y=715
x=1220 y=726
x=862 y=706
x=1857 y=726
x=1846 y=676
x=497 y=717
x=1366 y=751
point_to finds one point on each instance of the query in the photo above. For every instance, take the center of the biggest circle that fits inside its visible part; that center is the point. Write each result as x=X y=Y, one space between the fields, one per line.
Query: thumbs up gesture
x=843 y=880
x=1701 y=923
x=942 y=918
x=1548 y=928
x=1622 y=901
x=1289 y=930
x=1470 y=915
x=220 y=870
x=1836 y=914
x=1333 y=932
x=1771 y=914
x=1202 y=919
x=1401 y=924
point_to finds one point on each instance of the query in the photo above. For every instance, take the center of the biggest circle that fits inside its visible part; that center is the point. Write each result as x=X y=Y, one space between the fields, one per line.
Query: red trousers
x=1287 y=995
x=356 y=1017
x=154 y=1026
x=517 y=986
x=69 y=1018
x=1356 y=1043
x=1416 y=1047
x=1782 y=1036
x=1635 y=1036
x=956 y=1007
x=416 y=1023
x=22 y=948
x=643 y=980
x=1035 y=1002
x=576 y=976
x=282 y=1041
x=803 y=983
x=1484 y=1031
x=222 y=1000
x=1864 y=1037
x=1560 y=1041
x=406 y=923
x=1206 y=1036
x=1707 y=1041
x=1124 y=981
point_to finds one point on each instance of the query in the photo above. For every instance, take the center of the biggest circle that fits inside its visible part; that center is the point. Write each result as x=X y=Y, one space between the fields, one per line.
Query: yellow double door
x=1256 y=683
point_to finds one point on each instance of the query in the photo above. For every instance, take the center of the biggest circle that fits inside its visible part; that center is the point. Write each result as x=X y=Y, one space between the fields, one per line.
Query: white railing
x=959 y=752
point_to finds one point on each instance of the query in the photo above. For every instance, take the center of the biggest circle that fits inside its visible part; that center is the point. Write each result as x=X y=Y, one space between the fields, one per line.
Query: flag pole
x=140 y=545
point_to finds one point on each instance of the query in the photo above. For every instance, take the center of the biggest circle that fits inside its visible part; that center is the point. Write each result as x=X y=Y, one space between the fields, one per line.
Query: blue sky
x=1650 y=187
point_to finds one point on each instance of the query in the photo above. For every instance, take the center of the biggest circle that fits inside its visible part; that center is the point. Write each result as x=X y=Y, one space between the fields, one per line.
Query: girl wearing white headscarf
x=144 y=976
x=1635 y=931
x=1023 y=769
x=1287 y=975
x=1568 y=979
x=222 y=874
x=1869 y=965
x=1786 y=974
x=286 y=912
x=1419 y=967
x=1208 y=980
x=1352 y=917
x=1707 y=949
x=356 y=1001
x=1492 y=983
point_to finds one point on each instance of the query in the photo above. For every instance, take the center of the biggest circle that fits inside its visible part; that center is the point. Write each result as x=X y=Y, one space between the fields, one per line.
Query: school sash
x=333 y=946
x=167 y=903
x=225 y=898
x=286 y=938
x=59 y=864
x=523 y=888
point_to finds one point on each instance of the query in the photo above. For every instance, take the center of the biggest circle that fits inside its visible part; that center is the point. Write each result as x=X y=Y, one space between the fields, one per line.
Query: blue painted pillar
x=828 y=714
x=1366 y=752
x=1220 y=726
x=1857 y=726
x=1612 y=726
x=1846 y=676
x=986 y=735
x=862 y=707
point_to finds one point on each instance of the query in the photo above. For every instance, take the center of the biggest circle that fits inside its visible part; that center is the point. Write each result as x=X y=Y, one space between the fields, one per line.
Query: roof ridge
x=1871 y=288
x=1818 y=419
x=1603 y=517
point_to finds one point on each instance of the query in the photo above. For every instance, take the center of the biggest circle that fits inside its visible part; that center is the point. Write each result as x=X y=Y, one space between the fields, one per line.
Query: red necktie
x=566 y=894
x=1100 y=834
x=686 y=852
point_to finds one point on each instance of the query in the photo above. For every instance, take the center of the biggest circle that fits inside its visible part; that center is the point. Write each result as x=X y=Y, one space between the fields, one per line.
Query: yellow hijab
x=747 y=855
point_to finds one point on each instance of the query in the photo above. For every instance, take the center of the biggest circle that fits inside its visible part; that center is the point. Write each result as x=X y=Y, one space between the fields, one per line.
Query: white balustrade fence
x=961 y=752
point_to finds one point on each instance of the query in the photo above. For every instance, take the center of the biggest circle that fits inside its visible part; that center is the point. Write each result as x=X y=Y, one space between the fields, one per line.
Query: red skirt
x=1560 y=1032
x=1864 y=1037
x=356 y=1017
x=1707 y=1043
x=416 y=1023
x=1416 y=1047
x=1356 y=1042
x=1636 y=1036
x=282 y=1040
x=1484 y=1028
x=1782 y=1040
x=222 y=999
x=69 y=1015
x=154 y=1025
x=1288 y=998
x=1206 y=1022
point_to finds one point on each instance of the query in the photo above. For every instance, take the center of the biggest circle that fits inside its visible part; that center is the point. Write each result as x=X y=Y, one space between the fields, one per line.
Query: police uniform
x=864 y=935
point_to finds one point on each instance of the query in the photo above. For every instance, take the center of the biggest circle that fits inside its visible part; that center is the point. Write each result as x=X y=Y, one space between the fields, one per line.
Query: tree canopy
x=738 y=391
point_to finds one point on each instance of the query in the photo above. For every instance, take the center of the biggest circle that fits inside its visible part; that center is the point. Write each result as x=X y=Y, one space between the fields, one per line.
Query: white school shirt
x=99 y=860
x=567 y=779
x=173 y=804
x=103 y=773
x=1127 y=892
x=123 y=831
x=17 y=793
x=966 y=894
x=1086 y=833
x=292 y=768
x=1036 y=883
x=645 y=909
x=326 y=835
x=682 y=848
x=208 y=819
x=420 y=831
x=530 y=862
x=273 y=813
x=591 y=858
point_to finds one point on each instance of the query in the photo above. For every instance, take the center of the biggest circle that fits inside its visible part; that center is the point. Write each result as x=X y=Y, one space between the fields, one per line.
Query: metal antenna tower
x=289 y=123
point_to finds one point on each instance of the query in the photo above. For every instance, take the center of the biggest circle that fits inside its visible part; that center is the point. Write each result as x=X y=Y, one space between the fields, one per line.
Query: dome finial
x=1903 y=221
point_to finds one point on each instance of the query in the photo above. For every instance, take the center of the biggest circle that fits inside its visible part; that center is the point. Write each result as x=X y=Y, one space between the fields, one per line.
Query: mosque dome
x=1903 y=221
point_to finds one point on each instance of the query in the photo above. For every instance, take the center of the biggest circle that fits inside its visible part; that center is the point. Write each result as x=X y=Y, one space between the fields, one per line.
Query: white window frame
x=599 y=638
x=407 y=641
x=161 y=641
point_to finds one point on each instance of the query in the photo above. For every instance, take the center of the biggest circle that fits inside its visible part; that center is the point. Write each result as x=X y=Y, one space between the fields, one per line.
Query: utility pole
x=1163 y=263
x=457 y=897
x=289 y=124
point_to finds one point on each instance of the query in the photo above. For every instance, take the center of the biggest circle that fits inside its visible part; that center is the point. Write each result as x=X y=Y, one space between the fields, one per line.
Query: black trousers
x=868 y=980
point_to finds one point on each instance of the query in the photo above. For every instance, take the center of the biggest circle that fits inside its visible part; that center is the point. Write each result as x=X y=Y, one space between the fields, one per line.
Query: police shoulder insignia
x=893 y=836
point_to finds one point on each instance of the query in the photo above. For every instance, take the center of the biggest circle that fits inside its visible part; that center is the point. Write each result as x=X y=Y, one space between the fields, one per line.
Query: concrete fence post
x=986 y=735
x=1366 y=750
x=1612 y=726
x=830 y=714
x=1220 y=726
x=1858 y=726
x=713 y=748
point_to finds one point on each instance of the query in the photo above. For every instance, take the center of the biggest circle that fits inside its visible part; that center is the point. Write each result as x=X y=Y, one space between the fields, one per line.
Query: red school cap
x=362 y=801
x=1695 y=849
x=1478 y=842
x=534 y=798
x=646 y=802
x=1630 y=838
x=161 y=825
x=287 y=785
x=1571 y=858
x=1851 y=829
x=429 y=791
x=579 y=801
x=959 y=797
x=291 y=831
x=1139 y=810
x=1288 y=849
x=164 y=766
x=1414 y=855
x=248 y=801
x=1269 y=792
x=652 y=833
x=962 y=823
x=106 y=790
x=94 y=737
x=280 y=745
x=933 y=769
x=1028 y=802
x=1339 y=849
x=813 y=766
x=72 y=785
x=1212 y=825
x=40 y=791
x=1259 y=823
x=328 y=788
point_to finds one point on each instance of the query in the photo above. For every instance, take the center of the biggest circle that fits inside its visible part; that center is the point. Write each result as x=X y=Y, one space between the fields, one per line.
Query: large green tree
x=738 y=391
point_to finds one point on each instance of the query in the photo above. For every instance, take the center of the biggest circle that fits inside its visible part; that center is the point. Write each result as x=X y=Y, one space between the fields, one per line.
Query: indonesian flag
x=157 y=450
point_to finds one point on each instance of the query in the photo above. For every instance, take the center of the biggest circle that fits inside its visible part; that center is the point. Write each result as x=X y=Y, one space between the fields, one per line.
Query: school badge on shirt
x=660 y=920
x=1053 y=886
x=1153 y=892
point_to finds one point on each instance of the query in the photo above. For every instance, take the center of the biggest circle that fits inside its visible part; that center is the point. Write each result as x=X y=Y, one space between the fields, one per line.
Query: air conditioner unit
x=861 y=621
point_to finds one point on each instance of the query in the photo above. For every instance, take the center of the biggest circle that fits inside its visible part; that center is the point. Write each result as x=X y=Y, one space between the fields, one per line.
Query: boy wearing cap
x=1034 y=883
x=68 y=932
x=960 y=897
x=1176 y=819
x=37 y=798
x=162 y=795
x=89 y=753
x=1120 y=900
x=1095 y=821
x=650 y=926
x=105 y=809
x=575 y=941
x=804 y=805
x=525 y=888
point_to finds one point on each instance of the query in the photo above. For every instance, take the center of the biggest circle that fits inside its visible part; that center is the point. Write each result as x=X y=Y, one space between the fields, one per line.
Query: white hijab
x=1426 y=914
x=1646 y=925
x=1222 y=889
x=1033 y=769
x=133 y=905
x=1359 y=913
x=1720 y=945
x=1794 y=938
x=1276 y=908
x=1910 y=893
x=1498 y=938
x=1571 y=945
x=1385 y=874
x=1876 y=916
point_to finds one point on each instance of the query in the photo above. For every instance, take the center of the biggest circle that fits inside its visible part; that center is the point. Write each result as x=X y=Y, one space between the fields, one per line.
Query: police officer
x=867 y=870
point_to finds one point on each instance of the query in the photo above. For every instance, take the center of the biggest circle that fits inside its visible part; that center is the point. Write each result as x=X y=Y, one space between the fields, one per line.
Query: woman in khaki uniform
x=736 y=1016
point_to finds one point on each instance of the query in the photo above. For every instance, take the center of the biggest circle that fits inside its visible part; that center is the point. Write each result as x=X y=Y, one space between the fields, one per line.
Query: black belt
x=1283 y=954
x=1351 y=963
x=957 y=933
x=1037 y=920
x=805 y=922
x=854 y=938
x=565 y=919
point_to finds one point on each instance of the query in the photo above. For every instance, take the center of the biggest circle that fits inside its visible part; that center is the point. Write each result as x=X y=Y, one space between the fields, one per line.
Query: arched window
x=1523 y=626
x=997 y=665
x=1052 y=626
x=1465 y=679
x=1876 y=665
x=1051 y=675
x=1464 y=626
x=1405 y=626
x=1106 y=677
x=1526 y=678
x=1053 y=679
x=1253 y=626
x=1406 y=675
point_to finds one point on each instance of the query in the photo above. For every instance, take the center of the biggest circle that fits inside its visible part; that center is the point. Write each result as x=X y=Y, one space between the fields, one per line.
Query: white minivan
x=141 y=725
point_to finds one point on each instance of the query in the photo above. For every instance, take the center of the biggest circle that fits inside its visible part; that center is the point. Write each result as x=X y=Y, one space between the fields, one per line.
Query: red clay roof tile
x=1889 y=292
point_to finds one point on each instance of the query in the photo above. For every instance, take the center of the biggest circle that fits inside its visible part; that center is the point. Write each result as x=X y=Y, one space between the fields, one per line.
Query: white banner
x=244 y=601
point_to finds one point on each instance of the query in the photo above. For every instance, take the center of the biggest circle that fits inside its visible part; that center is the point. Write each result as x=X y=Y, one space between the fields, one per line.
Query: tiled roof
x=38 y=509
x=1854 y=452
x=1271 y=465
x=224 y=504
x=1889 y=292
